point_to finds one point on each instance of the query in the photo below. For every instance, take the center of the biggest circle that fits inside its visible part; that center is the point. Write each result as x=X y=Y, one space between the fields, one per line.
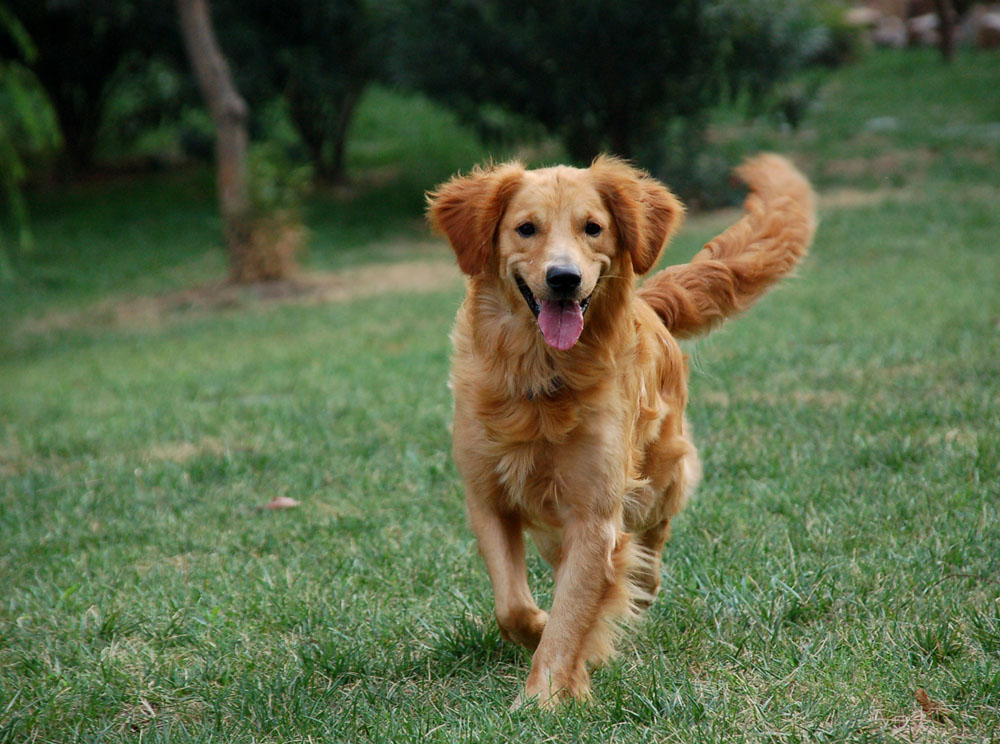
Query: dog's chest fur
x=553 y=438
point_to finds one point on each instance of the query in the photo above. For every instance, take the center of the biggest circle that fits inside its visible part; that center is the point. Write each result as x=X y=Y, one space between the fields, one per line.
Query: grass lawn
x=839 y=565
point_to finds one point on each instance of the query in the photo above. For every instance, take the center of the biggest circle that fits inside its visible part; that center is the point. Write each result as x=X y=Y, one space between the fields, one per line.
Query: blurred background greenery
x=92 y=90
x=98 y=87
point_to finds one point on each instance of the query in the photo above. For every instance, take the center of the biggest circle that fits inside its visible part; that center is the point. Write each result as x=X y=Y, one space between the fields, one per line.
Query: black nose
x=563 y=279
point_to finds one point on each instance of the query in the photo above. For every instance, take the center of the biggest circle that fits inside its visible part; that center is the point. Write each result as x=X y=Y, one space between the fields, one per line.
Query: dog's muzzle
x=560 y=319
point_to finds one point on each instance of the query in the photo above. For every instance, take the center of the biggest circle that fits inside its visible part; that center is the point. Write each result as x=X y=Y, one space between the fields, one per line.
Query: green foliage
x=277 y=188
x=276 y=183
x=118 y=78
x=146 y=109
x=604 y=75
x=83 y=47
x=762 y=41
x=319 y=59
x=144 y=234
x=27 y=130
x=564 y=65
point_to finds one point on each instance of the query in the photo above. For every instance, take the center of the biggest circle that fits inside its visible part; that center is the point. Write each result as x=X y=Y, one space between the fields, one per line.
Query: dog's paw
x=541 y=701
x=547 y=690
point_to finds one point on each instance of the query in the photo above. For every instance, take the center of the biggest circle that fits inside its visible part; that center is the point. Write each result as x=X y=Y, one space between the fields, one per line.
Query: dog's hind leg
x=501 y=543
x=646 y=574
x=549 y=544
x=651 y=539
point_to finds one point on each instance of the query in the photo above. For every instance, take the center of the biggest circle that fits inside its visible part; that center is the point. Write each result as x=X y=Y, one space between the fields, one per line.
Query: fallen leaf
x=281 y=502
x=932 y=708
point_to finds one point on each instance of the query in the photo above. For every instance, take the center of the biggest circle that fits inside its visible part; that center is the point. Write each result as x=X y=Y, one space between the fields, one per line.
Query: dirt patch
x=372 y=178
x=713 y=221
x=181 y=452
x=413 y=276
x=886 y=165
x=11 y=459
x=718 y=220
x=304 y=288
x=340 y=286
x=818 y=398
x=848 y=198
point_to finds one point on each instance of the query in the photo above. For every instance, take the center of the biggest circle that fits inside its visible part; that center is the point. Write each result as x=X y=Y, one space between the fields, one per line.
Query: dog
x=570 y=386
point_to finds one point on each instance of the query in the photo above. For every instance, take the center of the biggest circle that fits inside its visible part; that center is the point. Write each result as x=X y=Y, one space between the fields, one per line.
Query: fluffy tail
x=731 y=272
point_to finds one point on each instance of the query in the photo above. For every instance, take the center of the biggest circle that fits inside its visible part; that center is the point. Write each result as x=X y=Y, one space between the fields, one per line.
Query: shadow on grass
x=466 y=647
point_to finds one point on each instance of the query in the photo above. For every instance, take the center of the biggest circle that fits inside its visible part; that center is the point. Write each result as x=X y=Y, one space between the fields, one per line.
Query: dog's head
x=551 y=236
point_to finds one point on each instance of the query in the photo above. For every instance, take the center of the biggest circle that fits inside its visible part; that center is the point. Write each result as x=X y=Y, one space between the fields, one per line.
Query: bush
x=84 y=47
x=318 y=57
x=606 y=75
x=277 y=187
x=28 y=130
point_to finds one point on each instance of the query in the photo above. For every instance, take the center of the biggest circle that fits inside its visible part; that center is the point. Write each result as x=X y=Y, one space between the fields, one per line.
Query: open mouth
x=561 y=321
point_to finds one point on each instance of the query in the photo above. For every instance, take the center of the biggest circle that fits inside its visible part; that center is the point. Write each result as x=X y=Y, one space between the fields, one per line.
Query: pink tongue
x=561 y=322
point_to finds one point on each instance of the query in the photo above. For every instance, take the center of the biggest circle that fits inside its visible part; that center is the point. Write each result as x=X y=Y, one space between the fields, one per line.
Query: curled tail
x=732 y=271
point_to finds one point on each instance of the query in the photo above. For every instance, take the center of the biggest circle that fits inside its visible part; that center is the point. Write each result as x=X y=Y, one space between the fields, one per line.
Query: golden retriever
x=570 y=386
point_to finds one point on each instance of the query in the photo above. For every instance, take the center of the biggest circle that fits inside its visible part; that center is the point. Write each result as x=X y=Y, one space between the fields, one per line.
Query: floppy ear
x=646 y=214
x=467 y=209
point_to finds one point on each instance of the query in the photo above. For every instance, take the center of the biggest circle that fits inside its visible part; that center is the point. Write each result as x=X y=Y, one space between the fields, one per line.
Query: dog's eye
x=526 y=230
x=592 y=229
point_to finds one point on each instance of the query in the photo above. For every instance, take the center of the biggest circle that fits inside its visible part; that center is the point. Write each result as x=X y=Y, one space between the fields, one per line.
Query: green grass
x=842 y=552
x=889 y=122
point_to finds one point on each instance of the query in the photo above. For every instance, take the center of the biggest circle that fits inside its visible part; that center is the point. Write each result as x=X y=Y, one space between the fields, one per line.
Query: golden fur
x=586 y=447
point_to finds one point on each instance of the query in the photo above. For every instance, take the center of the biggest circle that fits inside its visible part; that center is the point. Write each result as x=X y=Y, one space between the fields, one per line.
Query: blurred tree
x=584 y=70
x=82 y=46
x=27 y=127
x=316 y=56
x=259 y=190
x=229 y=113
x=605 y=74
x=759 y=42
x=319 y=58
x=946 y=28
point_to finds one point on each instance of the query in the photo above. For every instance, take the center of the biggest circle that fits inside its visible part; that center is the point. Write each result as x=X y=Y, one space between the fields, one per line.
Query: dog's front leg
x=586 y=580
x=501 y=543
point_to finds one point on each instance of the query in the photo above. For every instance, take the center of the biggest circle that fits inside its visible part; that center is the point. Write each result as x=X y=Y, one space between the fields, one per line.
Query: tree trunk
x=79 y=132
x=306 y=113
x=946 y=28
x=229 y=113
x=338 y=164
x=318 y=127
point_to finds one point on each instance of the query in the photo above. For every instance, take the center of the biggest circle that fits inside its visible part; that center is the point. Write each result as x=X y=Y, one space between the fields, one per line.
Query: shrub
x=606 y=74
x=277 y=187
x=28 y=129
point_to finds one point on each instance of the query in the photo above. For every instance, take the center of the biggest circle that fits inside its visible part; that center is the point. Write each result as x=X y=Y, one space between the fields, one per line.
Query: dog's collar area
x=533 y=304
